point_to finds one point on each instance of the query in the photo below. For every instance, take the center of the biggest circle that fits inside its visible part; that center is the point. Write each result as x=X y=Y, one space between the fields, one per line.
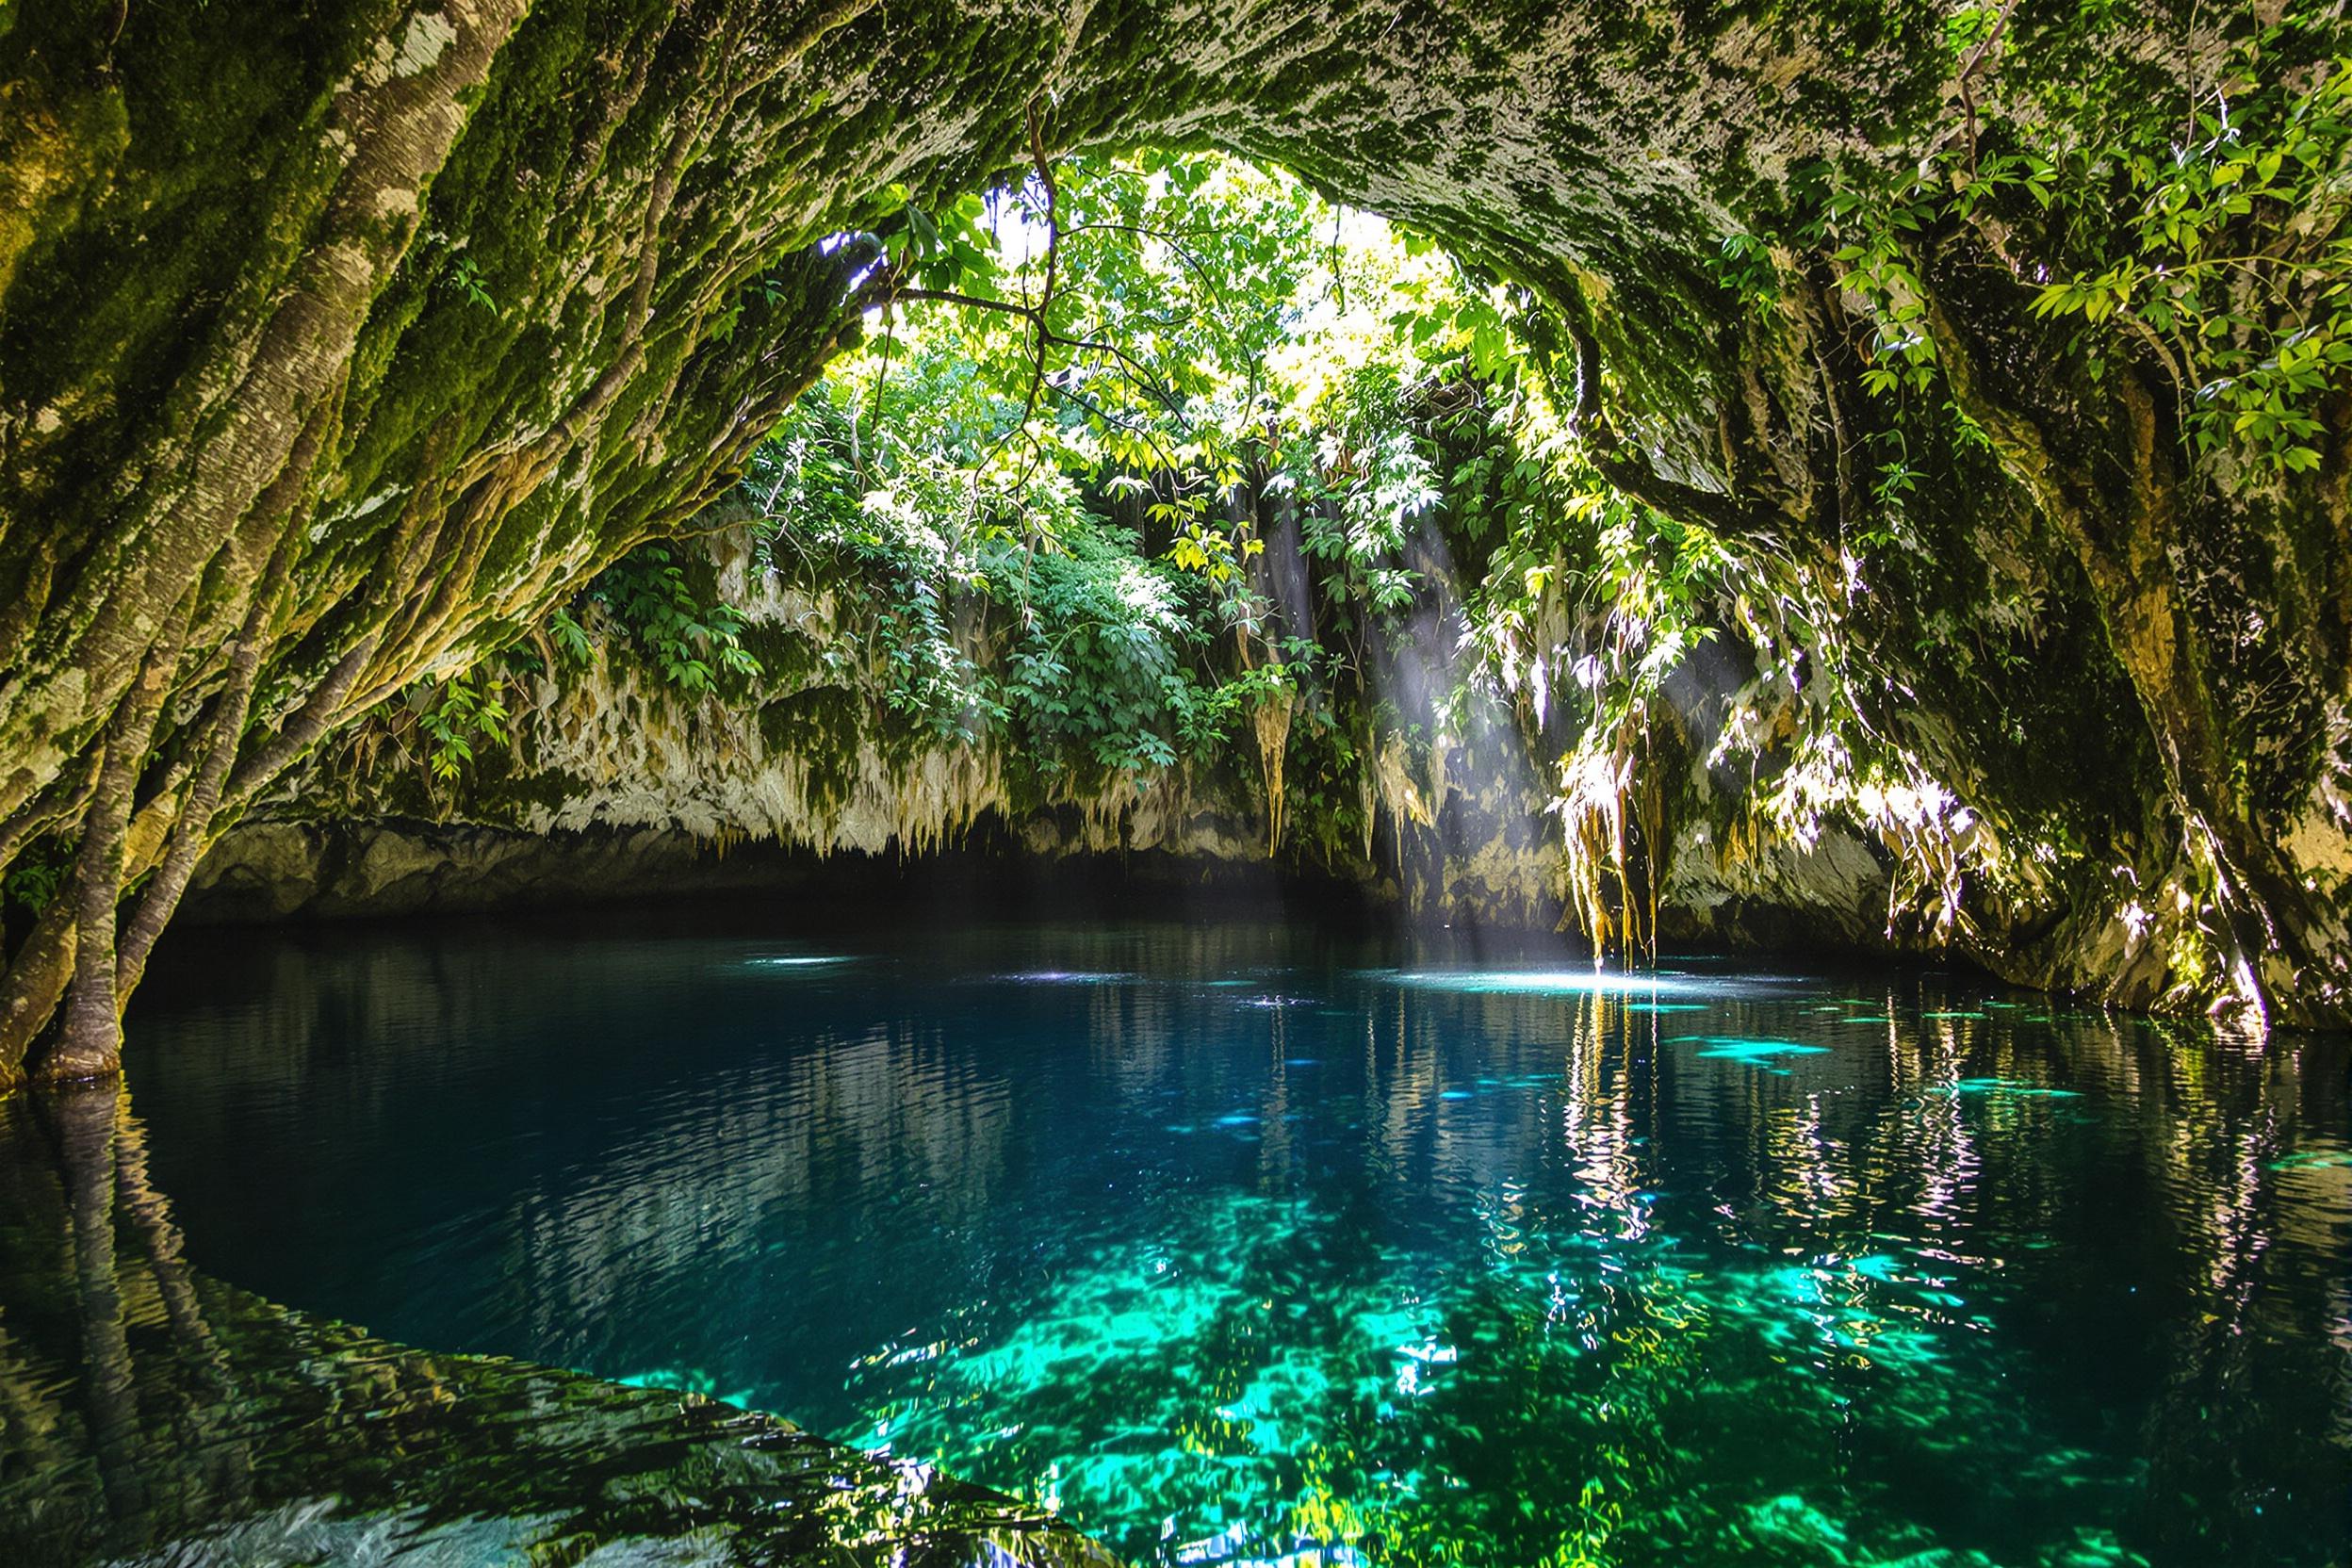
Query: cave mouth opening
x=1175 y=487
x=1163 y=506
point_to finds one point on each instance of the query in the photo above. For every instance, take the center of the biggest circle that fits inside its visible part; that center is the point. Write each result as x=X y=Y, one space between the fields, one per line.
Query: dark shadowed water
x=1238 y=1244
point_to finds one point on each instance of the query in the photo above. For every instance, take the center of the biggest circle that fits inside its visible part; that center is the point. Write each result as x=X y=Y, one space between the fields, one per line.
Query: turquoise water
x=1236 y=1244
x=152 y=1416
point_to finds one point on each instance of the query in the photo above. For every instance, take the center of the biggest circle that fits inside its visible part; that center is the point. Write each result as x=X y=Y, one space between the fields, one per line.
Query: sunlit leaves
x=1081 y=572
x=2238 y=268
x=2213 y=248
x=692 y=639
x=953 y=248
x=1878 y=270
x=453 y=715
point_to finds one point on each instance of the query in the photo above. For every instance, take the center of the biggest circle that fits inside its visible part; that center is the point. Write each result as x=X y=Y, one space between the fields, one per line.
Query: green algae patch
x=2313 y=1159
x=1761 y=1054
x=2008 y=1089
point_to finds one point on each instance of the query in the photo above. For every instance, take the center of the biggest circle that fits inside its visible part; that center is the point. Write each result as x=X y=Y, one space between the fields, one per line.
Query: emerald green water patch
x=1755 y=1053
x=2007 y=1089
x=2313 y=1159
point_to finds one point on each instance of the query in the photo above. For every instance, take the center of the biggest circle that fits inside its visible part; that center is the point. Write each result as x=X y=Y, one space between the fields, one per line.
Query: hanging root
x=1606 y=784
x=1271 y=720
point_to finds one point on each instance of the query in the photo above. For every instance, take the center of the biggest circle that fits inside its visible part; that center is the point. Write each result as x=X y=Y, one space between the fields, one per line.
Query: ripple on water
x=1066 y=977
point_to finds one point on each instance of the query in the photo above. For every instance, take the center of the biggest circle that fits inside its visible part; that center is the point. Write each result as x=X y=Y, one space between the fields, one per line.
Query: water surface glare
x=1244 y=1245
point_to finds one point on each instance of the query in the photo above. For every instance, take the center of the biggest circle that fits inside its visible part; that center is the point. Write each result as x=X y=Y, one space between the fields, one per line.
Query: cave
x=1405 y=535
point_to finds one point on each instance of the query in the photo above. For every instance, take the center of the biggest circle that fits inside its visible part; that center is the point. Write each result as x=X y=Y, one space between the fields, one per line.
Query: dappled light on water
x=1527 y=982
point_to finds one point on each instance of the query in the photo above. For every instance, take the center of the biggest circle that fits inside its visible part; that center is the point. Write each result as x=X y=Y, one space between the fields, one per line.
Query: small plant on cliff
x=454 y=715
x=692 y=640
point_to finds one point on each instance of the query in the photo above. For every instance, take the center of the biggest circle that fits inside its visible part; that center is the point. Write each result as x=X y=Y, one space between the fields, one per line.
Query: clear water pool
x=1240 y=1244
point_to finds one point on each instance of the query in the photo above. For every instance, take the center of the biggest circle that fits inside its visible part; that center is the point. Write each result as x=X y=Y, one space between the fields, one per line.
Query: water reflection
x=1428 y=1263
x=149 y=1415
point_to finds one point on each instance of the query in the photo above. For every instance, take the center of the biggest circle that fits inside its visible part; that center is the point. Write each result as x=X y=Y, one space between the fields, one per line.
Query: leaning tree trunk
x=90 y=1042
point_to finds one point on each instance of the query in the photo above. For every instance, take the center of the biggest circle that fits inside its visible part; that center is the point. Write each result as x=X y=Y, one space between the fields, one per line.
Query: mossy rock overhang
x=430 y=295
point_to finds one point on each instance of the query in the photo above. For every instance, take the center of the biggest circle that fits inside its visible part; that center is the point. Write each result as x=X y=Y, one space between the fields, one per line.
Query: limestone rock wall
x=612 y=784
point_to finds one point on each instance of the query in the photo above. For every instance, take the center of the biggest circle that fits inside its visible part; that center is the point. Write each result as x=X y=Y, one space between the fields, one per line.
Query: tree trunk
x=90 y=1043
